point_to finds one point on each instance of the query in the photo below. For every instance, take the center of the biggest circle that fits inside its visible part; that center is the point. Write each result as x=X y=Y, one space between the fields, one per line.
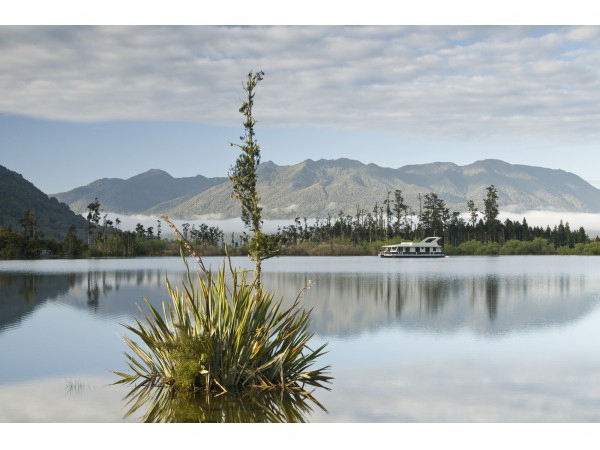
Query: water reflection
x=169 y=405
x=20 y=295
x=107 y=294
x=343 y=303
x=348 y=304
x=491 y=296
x=468 y=339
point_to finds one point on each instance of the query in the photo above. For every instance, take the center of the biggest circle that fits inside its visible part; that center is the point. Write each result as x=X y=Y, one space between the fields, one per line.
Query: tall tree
x=29 y=222
x=243 y=177
x=434 y=215
x=491 y=211
x=72 y=246
x=491 y=204
x=388 y=214
x=400 y=210
x=93 y=219
x=140 y=231
x=472 y=213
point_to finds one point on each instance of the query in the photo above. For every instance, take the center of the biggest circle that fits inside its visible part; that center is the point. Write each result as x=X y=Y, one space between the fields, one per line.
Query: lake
x=457 y=339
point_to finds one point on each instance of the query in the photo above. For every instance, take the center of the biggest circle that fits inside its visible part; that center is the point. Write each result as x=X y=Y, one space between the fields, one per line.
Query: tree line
x=393 y=219
x=30 y=241
x=390 y=220
x=106 y=238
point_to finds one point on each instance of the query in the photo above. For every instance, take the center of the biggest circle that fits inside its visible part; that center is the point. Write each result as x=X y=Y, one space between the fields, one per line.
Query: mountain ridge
x=137 y=193
x=317 y=188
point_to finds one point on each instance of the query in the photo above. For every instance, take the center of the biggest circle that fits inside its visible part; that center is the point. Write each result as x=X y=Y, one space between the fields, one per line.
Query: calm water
x=464 y=339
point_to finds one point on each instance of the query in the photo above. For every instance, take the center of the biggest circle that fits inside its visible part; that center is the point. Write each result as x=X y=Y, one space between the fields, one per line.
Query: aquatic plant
x=222 y=333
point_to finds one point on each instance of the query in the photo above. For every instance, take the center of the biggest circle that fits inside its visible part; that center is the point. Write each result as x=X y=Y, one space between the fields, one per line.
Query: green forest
x=360 y=233
x=392 y=220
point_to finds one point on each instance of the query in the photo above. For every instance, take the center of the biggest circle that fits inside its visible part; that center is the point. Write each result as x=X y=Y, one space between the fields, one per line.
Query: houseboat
x=427 y=248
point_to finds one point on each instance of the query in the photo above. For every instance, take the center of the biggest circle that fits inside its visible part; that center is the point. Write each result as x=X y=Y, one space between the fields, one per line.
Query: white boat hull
x=414 y=255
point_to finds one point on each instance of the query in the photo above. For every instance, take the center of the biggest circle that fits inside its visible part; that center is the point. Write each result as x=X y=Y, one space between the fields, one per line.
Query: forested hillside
x=18 y=196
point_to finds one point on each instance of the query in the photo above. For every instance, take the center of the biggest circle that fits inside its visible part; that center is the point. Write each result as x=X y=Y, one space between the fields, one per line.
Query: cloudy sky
x=79 y=103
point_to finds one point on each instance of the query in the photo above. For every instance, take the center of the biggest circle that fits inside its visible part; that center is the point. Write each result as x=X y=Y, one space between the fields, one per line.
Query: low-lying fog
x=591 y=222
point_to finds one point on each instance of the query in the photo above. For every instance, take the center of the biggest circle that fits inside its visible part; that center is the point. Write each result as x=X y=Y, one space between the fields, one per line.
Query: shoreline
x=535 y=247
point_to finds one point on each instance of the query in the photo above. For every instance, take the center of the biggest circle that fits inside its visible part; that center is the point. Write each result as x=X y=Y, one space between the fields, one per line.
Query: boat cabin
x=428 y=247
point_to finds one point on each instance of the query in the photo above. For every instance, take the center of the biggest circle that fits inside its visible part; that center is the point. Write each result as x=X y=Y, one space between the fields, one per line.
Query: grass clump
x=222 y=334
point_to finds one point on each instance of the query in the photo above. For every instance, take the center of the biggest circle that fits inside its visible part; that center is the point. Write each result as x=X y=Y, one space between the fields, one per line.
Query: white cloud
x=425 y=81
x=212 y=220
x=589 y=221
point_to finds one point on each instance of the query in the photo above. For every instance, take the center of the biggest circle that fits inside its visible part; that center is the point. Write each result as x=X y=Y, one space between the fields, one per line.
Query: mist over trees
x=393 y=220
x=362 y=232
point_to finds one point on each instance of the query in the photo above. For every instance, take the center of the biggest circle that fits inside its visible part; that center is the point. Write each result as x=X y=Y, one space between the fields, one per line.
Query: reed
x=221 y=332
x=74 y=386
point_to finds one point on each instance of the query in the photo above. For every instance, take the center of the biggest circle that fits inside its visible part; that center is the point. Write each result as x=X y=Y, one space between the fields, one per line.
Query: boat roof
x=427 y=242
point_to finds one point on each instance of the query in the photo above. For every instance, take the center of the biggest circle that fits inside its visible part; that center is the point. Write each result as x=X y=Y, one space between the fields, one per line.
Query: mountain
x=17 y=195
x=139 y=193
x=317 y=188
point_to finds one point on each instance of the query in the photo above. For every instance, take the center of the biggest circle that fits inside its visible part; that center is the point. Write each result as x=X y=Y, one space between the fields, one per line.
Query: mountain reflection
x=342 y=303
x=169 y=405
x=345 y=304
x=21 y=294
x=109 y=294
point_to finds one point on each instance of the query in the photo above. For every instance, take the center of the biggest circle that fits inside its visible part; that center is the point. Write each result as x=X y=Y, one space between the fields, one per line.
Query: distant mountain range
x=317 y=188
x=152 y=189
x=17 y=195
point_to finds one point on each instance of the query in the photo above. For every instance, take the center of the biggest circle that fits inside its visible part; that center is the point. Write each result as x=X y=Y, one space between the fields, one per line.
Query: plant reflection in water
x=165 y=404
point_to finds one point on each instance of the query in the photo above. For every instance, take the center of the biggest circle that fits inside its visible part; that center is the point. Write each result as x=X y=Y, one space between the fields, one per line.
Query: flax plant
x=222 y=333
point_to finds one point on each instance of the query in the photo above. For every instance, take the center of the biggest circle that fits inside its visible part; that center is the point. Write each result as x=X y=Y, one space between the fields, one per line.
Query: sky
x=80 y=103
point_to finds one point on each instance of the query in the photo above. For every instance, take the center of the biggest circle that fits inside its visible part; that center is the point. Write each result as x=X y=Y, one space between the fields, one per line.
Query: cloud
x=535 y=218
x=129 y=222
x=441 y=81
x=589 y=221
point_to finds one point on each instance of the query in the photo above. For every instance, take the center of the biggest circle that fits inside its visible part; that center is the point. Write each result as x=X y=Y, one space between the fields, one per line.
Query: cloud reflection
x=466 y=391
x=48 y=400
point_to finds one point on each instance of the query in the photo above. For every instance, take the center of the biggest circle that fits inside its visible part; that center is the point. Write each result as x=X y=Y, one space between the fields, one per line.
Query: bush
x=466 y=248
x=538 y=246
x=588 y=248
x=488 y=249
x=220 y=336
